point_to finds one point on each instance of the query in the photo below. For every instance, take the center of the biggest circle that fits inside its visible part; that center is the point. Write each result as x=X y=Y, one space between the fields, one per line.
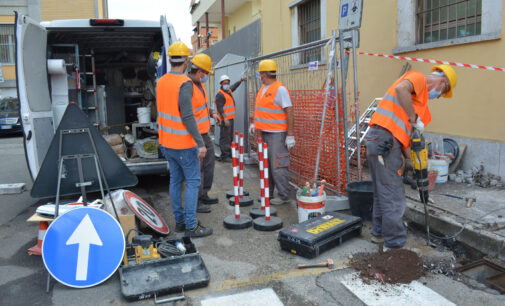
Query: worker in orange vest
x=201 y=66
x=225 y=105
x=180 y=140
x=403 y=108
x=273 y=122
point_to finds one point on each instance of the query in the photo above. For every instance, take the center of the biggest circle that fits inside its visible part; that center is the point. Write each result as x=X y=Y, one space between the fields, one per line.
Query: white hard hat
x=224 y=77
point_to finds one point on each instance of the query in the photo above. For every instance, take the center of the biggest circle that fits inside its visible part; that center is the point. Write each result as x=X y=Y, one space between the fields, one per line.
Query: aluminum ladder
x=363 y=127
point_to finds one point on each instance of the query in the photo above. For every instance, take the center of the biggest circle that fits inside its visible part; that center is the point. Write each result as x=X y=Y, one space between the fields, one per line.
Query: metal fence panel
x=306 y=83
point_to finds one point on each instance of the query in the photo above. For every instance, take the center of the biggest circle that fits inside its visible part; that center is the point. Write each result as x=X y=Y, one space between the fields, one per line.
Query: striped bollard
x=268 y=223
x=236 y=221
x=230 y=193
x=244 y=200
x=260 y=211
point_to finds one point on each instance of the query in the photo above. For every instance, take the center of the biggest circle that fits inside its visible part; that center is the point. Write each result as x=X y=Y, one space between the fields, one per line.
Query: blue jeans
x=184 y=165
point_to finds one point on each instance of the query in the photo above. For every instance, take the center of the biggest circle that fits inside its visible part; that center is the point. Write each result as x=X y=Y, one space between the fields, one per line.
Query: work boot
x=208 y=200
x=377 y=239
x=279 y=201
x=198 y=231
x=202 y=208
x=180 y=227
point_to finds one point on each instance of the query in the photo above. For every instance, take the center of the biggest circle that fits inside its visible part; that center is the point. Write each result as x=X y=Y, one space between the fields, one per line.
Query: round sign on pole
x=146 y=213
x=83 y=247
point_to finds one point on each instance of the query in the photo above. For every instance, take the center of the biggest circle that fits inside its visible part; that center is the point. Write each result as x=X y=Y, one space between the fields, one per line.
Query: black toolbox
x=152 y=278
x=314 y=236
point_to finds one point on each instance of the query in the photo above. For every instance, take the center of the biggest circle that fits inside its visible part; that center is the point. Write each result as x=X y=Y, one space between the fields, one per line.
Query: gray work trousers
x=278 y=163
x=207 y=167
x=225 y=139
x=389 y=193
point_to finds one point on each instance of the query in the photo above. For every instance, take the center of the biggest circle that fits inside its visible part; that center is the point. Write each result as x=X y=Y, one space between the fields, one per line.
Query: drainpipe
x=207 y=29
x=198 y=35
x=223 y=26
x=105 y=8
x=97 y=11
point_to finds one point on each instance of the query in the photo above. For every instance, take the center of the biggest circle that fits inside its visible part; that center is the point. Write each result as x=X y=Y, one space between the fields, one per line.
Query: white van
x=107 y=66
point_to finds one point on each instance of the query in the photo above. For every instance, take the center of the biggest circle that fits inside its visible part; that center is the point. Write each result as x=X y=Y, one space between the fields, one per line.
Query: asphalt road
x=238 y=261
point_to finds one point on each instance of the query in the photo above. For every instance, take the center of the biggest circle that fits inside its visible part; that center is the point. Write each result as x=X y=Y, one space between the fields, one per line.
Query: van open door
x=168 y=33
x=33 y=91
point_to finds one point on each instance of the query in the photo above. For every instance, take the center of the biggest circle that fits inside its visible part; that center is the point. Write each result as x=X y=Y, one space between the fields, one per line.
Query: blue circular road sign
x=83 y=247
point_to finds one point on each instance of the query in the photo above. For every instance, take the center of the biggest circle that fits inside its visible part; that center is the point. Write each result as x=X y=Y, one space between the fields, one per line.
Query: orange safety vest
x=391 y=115
x=268 y=116
x=172 y=131
x=201 y=109
x=229 y=104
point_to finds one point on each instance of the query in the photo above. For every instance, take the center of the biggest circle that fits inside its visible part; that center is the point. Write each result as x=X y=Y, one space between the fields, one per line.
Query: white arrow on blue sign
x=83 y=247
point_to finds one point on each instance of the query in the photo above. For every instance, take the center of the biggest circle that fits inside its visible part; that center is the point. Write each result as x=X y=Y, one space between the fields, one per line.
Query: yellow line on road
x=262 y=279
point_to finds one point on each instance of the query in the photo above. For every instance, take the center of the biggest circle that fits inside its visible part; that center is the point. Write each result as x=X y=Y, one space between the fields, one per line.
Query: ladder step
x=92 y=107
x=90 y=90
x=97 y=124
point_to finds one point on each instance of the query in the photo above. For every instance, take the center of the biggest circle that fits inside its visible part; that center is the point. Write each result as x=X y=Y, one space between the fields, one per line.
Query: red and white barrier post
x=241 y=163
x=265 y=177
x=262 y=177
x=236 y=221
x=235 y=180
x=269 y=223
x=260 y=211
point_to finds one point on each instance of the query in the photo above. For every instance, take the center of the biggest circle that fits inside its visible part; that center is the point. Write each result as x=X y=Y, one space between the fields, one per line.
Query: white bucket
x=144 y=114
x=310 y=207
x=442 y=166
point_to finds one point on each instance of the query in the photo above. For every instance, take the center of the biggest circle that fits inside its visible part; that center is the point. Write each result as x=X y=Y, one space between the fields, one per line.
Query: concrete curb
x=487 y=242
x=12 y=188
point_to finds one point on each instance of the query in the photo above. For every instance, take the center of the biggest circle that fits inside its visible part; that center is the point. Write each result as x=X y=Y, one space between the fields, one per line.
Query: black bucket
x=361 y=199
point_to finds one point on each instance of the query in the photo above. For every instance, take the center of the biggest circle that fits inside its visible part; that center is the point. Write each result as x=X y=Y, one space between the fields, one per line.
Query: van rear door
x=168 y=33
x=33 y=90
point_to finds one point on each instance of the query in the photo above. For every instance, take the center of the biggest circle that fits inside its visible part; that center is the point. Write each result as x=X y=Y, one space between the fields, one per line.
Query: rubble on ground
x=477 y=176
x=395 y=266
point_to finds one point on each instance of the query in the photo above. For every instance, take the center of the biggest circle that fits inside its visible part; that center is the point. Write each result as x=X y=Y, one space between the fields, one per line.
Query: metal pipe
x=313 y=44
x=223 y=20
x=356 y=109
x=199 y=45
x=326 y=94
x=337 y=113
x=207 y=29
x=344 y=58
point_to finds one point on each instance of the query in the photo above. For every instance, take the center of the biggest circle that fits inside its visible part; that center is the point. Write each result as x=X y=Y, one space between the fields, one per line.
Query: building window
x=7 y=44
x=439 y=20
x=309 y=28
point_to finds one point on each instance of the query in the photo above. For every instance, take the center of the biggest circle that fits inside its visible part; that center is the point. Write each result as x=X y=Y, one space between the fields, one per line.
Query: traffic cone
x=37 y=249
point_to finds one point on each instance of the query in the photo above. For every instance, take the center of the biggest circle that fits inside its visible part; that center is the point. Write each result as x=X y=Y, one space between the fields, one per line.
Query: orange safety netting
x=308 y=112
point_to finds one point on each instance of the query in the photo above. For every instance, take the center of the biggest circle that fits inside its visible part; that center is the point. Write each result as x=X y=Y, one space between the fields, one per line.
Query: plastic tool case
x=314 y=236
x=157 y=277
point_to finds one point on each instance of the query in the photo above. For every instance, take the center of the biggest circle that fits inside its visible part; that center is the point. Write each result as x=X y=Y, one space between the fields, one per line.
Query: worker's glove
x=384 y=148
x=419 y=125
x=290 y=142
x=251 y=129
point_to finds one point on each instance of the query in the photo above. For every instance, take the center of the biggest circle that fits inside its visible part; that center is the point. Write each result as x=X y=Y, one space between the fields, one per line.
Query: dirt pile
x=393 y=266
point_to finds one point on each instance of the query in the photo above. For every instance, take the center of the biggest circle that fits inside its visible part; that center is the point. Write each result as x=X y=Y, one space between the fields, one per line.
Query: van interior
x=111 y=72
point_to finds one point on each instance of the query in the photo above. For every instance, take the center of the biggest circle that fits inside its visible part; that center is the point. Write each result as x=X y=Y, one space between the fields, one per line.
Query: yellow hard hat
x=267 y=65
x=451 y=76
x=203 y=61
x=178 y=48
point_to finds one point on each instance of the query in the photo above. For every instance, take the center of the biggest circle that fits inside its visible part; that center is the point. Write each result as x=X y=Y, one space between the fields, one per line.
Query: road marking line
x=262 y=279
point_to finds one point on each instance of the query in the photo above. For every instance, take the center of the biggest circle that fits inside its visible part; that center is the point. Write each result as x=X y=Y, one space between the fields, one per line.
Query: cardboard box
x=128 y=222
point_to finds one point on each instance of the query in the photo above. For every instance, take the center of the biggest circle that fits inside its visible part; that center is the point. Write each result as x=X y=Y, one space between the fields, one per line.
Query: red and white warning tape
x=425 y=60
